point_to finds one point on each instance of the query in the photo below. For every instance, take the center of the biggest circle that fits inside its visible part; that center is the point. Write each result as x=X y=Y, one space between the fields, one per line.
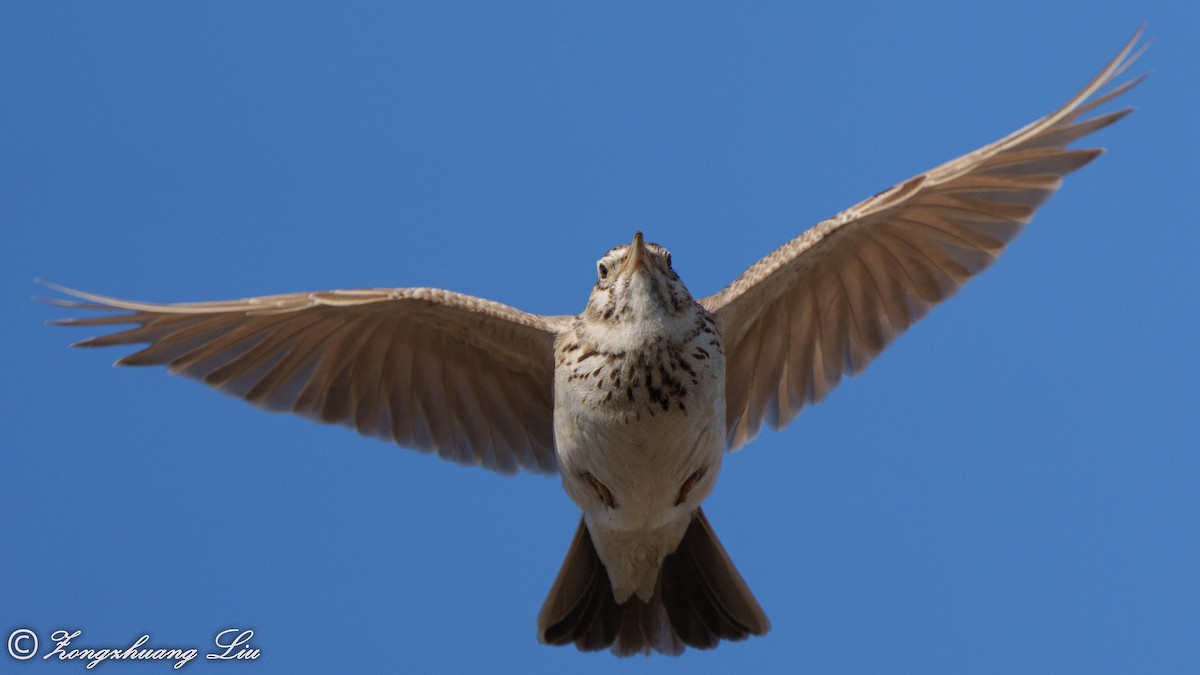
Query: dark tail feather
x=700 y=600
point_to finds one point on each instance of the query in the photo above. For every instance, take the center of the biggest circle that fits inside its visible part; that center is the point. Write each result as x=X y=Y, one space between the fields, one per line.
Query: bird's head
x=635 y=283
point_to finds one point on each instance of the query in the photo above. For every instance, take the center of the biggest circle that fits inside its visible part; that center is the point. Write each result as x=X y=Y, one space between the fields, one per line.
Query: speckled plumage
x=635 y=410
x=639 y=427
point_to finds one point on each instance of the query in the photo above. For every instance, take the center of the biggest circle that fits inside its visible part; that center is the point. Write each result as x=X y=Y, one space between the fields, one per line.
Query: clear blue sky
x=1012 y=487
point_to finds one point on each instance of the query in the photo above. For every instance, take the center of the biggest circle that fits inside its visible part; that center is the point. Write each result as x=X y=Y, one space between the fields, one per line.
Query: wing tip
x=65 y=290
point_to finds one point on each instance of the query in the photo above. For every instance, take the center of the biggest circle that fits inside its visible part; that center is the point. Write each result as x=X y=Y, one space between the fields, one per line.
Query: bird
x=635 y=401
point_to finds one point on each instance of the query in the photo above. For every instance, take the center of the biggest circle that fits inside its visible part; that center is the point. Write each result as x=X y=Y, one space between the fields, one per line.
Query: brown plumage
x=648 y=388
x=700 y=600
x=429 y=369
x=828 y=301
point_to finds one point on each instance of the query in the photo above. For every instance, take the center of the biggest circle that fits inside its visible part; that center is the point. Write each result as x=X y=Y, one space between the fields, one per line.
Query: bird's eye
x=602 y=269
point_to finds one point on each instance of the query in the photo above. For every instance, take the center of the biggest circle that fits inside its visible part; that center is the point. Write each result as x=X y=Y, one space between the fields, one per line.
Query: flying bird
x=634 y=401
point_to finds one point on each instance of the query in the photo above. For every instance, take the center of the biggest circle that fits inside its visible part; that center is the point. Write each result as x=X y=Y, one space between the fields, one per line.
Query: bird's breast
x=662 y=374
x=639 y=422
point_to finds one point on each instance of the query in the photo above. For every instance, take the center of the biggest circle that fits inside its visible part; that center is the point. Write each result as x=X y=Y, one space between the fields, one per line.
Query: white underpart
x=642 y=458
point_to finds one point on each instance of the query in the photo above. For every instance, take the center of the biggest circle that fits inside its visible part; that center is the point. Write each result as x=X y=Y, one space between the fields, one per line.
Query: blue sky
x=1011 y=487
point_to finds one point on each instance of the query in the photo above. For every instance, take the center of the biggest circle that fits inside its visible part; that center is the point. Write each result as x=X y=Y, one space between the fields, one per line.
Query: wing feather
x=827 y=302
x=466 y=378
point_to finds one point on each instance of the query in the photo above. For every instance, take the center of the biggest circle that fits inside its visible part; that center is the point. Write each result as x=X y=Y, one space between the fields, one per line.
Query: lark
x=635 y=401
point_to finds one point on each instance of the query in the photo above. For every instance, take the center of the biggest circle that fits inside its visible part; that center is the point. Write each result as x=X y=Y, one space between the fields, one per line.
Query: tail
x=700 y=600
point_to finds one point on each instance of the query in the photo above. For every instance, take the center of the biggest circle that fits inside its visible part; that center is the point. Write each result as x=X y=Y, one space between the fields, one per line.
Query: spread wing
x=429 y=369
x=830 y=300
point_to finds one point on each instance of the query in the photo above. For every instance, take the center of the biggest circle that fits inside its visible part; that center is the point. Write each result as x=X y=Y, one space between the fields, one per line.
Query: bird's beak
x=637 y=255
